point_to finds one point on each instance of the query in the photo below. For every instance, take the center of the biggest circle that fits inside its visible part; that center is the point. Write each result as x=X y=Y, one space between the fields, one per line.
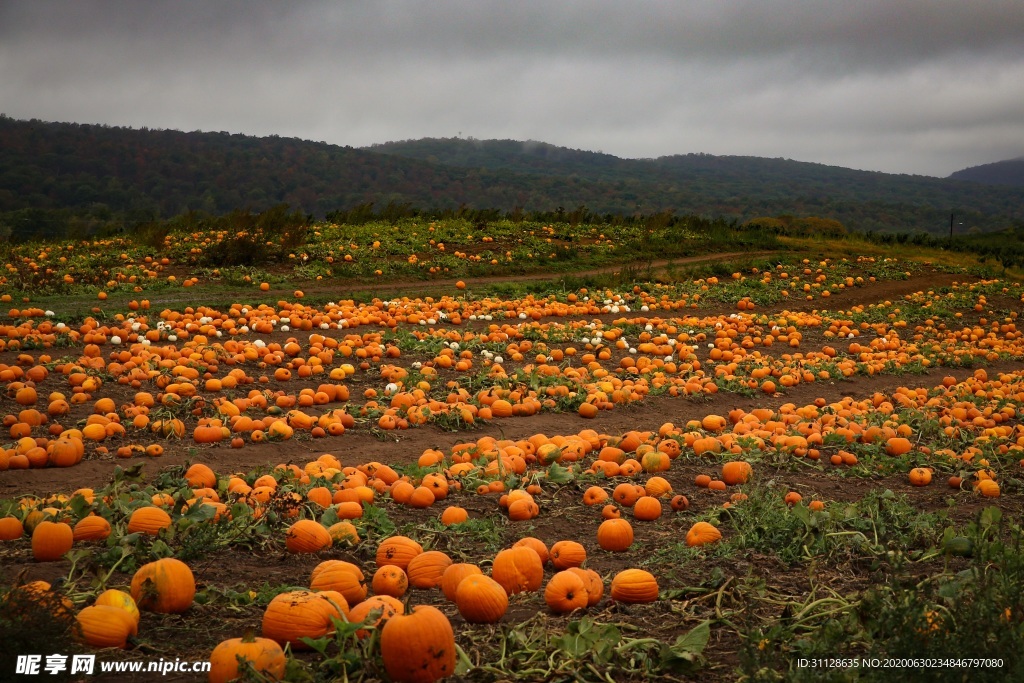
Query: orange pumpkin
x=634 y=586
x=537 y=545
x=593 y=582
x=898 y=445
x=647 y=508
x=453 y=576
x=565 y=554
x=92 y=527
x=232 y=657
x=736 y=472
x=680 y=503
x=920 y=476
x=106 y=626
x=384 y=606
x=595 y=495
x=65 y=452
x=294 y=615
x=702 y=533
x=208 y=434
x=454 y=515
x=658 y=487
x=11 y=528
x=419 y=646
x=51 y=540
x=988 y=488
x=121 y=600
x=480 y=599
x=615 y=535
x=397 y=550
x=566 y=592
x=340 y=576
x=164 y=586
x=307 y=536
x=148 y=520
x=201 y=476
x=426 y=569
x=518 y=570
x=626 y=494
x=390 y=580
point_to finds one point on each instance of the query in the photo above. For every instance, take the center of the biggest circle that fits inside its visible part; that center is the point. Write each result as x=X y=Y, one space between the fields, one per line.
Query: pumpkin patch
x=477 y=476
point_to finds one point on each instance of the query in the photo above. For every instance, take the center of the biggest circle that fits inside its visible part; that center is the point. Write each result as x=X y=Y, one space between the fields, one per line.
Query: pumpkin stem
x=249 y=636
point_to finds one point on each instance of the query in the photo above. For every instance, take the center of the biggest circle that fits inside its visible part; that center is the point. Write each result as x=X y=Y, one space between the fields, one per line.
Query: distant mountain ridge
x=866 y=200
x=1008 y=172
x=57 y=177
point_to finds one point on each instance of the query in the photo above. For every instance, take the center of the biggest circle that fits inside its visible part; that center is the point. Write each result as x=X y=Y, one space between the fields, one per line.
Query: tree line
x=74 y=180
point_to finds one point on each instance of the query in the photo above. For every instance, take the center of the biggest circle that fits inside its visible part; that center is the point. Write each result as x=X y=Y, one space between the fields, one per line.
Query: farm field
x=601 y=453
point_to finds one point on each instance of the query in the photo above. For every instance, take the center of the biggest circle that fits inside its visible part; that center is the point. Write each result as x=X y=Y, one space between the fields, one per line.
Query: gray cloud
x=901 y=86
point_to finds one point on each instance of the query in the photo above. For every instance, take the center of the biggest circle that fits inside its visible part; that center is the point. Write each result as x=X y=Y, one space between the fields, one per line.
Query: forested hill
x=165 y=172
x=864 y=200
x=1009 y=172
x=57 y=178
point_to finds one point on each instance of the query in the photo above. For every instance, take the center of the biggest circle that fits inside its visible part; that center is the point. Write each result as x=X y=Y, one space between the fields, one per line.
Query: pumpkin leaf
x=330 y=517
x=318 y=644
x=684 y=654
x=79 y=506
x=240 y=510
x=803 y=514
x=297 y=670
x=588 y=637
x=694 y=641
x=74 y=556
x=462 y=663
x=126 y=473
x=557 y=474
x=130 y=539
x=375 y=522
x=990 y=517
x=161 y=549
x=199 y=513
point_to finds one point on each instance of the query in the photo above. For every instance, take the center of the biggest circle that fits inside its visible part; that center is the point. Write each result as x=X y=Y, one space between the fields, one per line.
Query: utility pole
x=951 y=216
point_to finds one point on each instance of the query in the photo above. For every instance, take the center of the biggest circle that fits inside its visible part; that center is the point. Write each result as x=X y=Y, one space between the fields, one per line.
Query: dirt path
x=358 y=446
x=656 y=265
x=312 y=288
x=882 y=290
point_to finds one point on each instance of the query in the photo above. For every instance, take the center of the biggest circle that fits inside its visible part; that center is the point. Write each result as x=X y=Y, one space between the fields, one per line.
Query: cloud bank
x=923 y=87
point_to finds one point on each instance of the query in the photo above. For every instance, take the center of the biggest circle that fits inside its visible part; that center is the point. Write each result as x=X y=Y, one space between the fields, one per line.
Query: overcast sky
x=902 y=86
